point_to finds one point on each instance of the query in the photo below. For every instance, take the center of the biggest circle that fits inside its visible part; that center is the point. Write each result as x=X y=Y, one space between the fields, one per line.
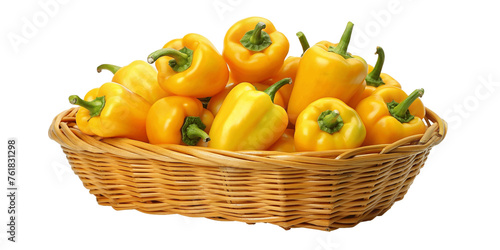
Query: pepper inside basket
x=322 y=190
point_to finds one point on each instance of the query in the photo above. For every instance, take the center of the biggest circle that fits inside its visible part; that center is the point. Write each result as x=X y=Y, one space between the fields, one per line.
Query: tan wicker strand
x=320 y=190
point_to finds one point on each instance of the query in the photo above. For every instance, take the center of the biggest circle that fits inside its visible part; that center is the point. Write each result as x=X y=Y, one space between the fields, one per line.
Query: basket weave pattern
x=321 y=190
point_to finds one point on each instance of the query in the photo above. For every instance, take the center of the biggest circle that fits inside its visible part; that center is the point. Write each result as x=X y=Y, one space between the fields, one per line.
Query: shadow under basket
x=322 y=190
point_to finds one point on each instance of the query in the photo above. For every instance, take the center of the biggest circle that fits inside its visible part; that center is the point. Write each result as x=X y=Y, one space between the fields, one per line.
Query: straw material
x=322 y=190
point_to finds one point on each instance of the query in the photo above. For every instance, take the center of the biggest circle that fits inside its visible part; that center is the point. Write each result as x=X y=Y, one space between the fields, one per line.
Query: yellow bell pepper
x=178 y=120
x=248 y=119
x=216 y=101
x=139 y=77
x=326 y=124
x=374 y=80
x=327 y=70
x=254 y=50
x=190 y=67
x=289 y=70
x=285 y=143
x=115 y=112
x=390 y=115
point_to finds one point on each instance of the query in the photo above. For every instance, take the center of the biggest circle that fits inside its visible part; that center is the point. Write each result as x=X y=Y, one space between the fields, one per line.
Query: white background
x=50 y=49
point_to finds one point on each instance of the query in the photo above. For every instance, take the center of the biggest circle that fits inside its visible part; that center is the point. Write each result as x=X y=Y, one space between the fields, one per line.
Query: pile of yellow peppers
x=252 y=96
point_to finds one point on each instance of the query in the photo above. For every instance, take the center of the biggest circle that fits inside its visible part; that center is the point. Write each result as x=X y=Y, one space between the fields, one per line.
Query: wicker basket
x=321 y=190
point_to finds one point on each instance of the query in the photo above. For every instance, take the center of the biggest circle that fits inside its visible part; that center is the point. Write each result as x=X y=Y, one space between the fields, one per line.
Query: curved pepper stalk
x=95 y=106
x=303 y=42
x=400 y=110
x=374 y=79
x=271 y=91
x=192 y=131
x=112 y=68
x=181 y=61
x=257 y=39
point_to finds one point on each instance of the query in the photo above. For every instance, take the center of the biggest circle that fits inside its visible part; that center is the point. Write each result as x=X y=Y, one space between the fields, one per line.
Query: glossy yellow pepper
x=389 y=115
x=139 y=77
x=285 y=143
x=190 y=67
x=178 y=120
x=326 y=70
x=326 y=124
x=248 y=119
x=254 y=50
x=216 y=101
x=374 y=80
x=115 y=112
x=289 y=70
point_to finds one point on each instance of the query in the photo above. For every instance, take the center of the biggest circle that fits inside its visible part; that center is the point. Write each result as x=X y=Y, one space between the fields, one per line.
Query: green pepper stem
x=110 y=67
x=303 y=41
x=95 y=106
x=194 y=132
x=373 y=79
x=401 y=109
x=256 y=38
x=341 y=47
x=330 y=120
x=179 y=57
x=271 y=90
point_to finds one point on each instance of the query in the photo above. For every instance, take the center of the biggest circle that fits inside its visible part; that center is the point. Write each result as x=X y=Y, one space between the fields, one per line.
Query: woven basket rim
x=64 y=131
